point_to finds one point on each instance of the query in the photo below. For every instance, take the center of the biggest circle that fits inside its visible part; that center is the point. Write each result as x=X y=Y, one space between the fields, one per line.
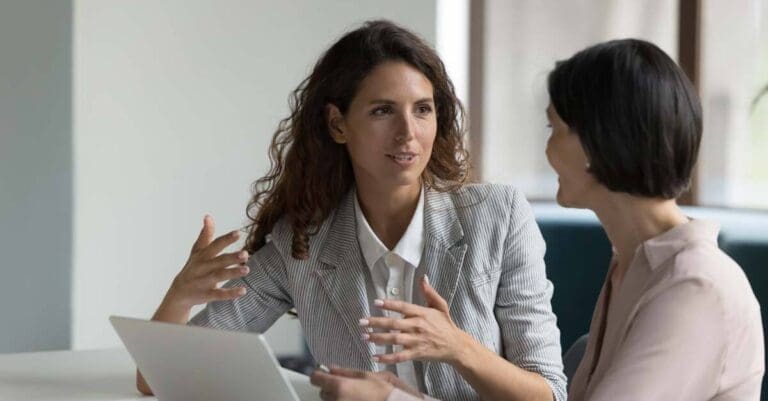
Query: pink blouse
x=683 y=325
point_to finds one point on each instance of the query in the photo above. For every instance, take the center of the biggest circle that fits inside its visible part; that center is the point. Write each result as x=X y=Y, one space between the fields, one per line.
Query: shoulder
x=495 y=197
x=496 y=212
x=704 y=262
x=279 y=242
x=709 y=273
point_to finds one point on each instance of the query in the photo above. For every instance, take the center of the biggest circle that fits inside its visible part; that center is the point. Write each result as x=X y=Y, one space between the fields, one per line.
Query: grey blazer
x=483 y=253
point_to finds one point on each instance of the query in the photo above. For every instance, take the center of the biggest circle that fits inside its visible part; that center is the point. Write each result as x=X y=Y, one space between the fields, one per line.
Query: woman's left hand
x=355 y=385
x=425 y=333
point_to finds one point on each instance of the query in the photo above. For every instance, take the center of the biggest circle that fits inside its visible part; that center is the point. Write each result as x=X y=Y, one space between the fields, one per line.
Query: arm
x=673 y=350
x=254 y=301
x=530 y=335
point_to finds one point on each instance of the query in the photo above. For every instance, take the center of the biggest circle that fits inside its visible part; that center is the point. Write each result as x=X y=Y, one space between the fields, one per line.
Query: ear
x=335 y=121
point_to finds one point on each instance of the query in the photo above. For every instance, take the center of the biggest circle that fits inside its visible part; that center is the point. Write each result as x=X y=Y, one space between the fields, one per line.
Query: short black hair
x=637 y=116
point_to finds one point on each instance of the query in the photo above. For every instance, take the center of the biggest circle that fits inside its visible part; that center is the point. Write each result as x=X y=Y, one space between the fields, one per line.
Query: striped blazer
x=483 y=253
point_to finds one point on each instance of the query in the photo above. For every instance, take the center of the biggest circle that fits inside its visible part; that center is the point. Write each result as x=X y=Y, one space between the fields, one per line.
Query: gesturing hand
x=425 y=333
x=355 y=385
x=198 y=280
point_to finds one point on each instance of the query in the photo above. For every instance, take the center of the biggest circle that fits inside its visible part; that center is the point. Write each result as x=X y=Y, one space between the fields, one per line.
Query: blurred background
x=123 y=122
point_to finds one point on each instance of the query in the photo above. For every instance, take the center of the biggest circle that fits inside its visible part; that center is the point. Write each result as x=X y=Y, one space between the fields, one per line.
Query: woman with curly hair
x=368 y=201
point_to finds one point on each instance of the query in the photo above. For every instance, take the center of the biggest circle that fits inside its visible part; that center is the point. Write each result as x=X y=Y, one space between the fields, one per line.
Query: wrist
x=466 y=351
x=172 y=310
x=386 y=391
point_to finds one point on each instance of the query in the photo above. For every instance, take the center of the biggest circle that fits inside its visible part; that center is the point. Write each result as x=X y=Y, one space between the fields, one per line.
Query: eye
x=423 y=109
x=381 y=110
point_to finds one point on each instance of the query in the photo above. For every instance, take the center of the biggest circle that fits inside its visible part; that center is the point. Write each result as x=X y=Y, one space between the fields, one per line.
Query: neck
x=388 y=211
x=631 y=220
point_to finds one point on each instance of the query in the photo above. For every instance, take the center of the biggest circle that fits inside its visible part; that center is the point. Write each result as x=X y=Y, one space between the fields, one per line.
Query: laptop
x=191 y=363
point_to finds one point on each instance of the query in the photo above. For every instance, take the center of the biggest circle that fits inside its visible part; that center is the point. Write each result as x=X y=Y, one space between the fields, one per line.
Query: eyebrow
x=387 y=101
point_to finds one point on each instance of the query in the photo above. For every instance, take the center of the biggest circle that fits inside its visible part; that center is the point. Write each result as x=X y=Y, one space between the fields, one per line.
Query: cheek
x=361 y=152
x=426 y=139
x=554 y=155
x=429 y=133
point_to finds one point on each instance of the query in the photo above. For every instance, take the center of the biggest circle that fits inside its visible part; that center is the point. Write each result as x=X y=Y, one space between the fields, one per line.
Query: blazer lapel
x=443 y=253
x=343 y=277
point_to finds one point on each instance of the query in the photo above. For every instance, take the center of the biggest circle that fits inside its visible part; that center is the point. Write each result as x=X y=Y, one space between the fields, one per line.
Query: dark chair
x=573 y=356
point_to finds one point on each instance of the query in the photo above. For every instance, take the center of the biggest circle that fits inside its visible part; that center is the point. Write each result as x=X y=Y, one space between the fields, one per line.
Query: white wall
x=175 y=103
x=35 y=174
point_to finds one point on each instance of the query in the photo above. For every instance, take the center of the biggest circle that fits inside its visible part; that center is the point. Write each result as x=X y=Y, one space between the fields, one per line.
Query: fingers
x=386 y=323
x=220 y=275
x=223 y=261
x=225 y=294
x=357 y=374
x=404 y=339
x=206 y=234
x=320 y=378
x=404 y=308
x=432 y=298
x=218 y=245
x=327 y=382
x=397 y=357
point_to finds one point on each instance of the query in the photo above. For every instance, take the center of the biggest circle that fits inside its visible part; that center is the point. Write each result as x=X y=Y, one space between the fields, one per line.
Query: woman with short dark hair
x=676 y=318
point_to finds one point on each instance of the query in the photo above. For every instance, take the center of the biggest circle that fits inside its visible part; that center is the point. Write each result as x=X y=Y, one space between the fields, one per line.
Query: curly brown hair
x=310 y=173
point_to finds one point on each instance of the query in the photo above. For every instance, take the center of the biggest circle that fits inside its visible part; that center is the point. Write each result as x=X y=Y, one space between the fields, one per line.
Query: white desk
x=104 y=375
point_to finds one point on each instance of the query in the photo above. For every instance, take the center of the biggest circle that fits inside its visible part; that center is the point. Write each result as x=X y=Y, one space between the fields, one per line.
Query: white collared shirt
x=393 y=272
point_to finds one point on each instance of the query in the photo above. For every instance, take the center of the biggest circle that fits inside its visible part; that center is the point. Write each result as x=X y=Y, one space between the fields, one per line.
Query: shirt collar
x=662 y=247
x=410 y=246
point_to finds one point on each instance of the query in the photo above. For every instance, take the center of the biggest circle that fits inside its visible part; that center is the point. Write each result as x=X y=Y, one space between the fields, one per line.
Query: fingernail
x=365 y=336
x=426 y=280
x=378 y=302
x=375 y=358
x=235 y=233
x=241 y=291
x=363 y=322
x=242 y=255
x=244 y=270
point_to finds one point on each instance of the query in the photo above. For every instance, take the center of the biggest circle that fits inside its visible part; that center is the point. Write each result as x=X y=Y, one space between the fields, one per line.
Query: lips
x=403 y=158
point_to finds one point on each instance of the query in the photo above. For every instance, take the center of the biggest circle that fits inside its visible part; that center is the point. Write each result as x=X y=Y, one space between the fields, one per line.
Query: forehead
x=395 y=80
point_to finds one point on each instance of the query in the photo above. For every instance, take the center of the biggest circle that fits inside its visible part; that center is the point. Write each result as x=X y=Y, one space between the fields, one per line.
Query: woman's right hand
x=198 y=281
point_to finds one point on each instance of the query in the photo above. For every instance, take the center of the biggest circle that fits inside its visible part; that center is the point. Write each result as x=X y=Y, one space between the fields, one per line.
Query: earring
x=588 y=166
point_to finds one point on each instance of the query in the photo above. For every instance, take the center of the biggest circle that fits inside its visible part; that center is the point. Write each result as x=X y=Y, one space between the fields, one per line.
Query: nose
x=406 y=130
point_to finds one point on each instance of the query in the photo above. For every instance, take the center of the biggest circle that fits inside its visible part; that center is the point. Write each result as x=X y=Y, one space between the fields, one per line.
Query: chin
x=407 y=181
x=407 y=178
x=565 y=201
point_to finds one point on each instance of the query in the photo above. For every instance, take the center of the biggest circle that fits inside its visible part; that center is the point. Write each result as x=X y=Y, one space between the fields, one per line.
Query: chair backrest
x=573 y=356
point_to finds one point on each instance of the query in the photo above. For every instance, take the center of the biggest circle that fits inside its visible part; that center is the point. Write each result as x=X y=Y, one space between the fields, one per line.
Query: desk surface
x=103 y=375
